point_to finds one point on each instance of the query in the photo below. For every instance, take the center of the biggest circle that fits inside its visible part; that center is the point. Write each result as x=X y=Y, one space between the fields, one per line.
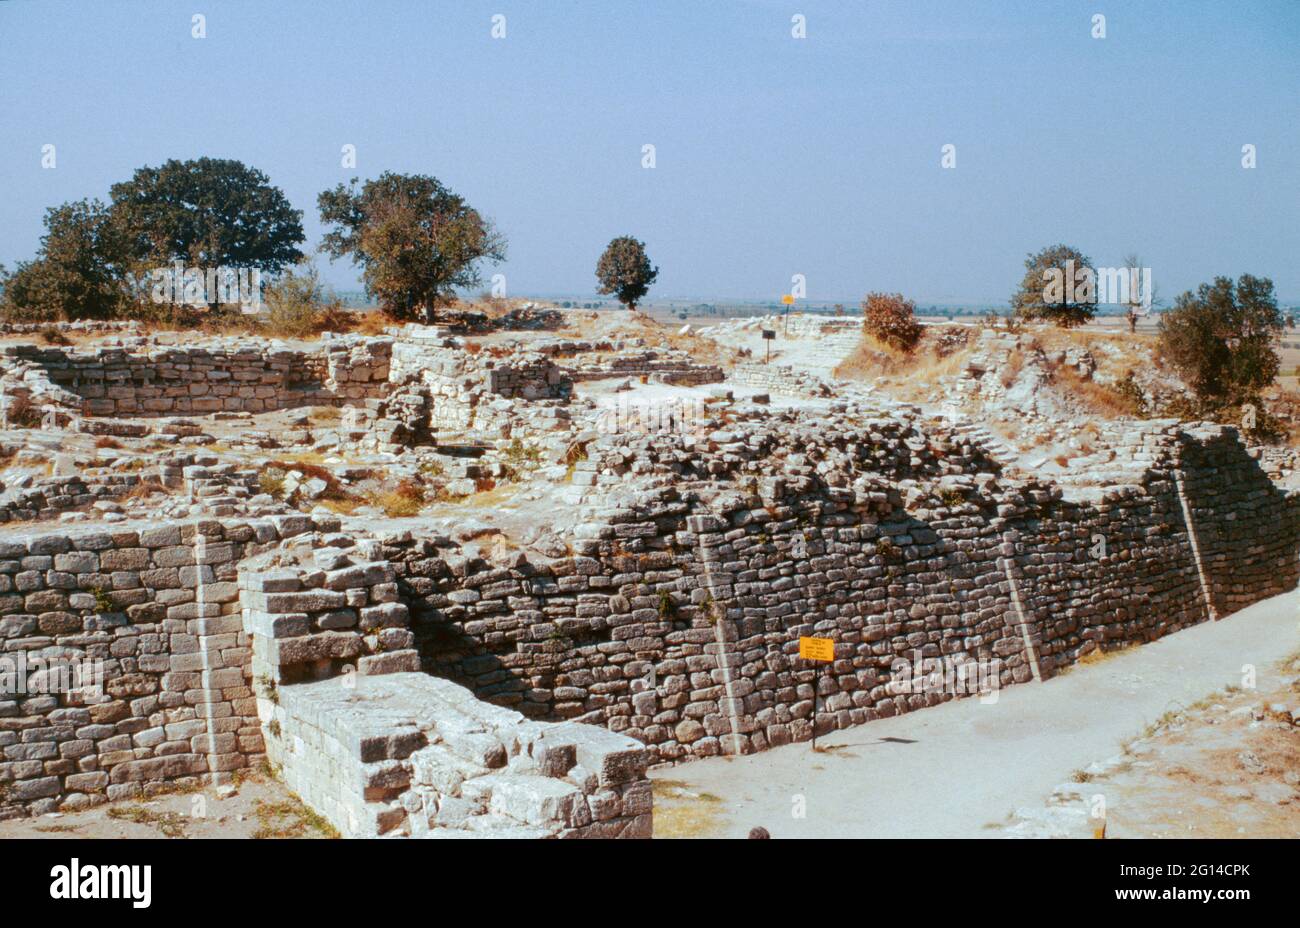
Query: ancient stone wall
x=49 y=497
x=779 y=379
x=469 y=390
x=673 y=622
x=410 y=754
x=155 y=612
x=677 y=621
x=649 y=364
x=231 y=376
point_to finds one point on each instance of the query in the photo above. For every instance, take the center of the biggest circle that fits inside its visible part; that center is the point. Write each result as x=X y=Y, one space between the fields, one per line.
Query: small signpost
x=788 y=300
x=816 y=649
x=768 y=335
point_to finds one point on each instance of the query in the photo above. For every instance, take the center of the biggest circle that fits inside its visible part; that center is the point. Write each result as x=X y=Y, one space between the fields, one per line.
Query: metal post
x=814 y=720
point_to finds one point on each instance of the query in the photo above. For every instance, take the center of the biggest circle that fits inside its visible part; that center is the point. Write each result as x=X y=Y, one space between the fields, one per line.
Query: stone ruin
x=463 y=675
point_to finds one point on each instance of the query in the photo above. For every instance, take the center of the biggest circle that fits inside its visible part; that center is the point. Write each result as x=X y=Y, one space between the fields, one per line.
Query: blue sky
x=774 y=155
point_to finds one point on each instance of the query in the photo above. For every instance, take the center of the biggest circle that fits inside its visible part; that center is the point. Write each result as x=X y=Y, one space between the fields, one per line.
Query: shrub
x=299 y=306
x=1220 y=339
x=271 y=481
x=891 y=318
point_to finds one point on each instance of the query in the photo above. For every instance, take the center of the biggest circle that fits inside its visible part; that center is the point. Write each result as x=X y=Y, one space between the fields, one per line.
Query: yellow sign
x=787 y=299
x=817 y=649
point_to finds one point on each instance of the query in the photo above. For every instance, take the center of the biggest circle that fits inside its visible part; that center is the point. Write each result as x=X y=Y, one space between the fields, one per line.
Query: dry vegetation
x=911 y=376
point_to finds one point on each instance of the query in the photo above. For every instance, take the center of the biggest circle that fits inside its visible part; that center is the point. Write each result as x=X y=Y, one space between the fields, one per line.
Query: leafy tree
x=891 y=318
x=1220 y=339
x=415 y=240
x=1059 y=286
x=208 y=213
x=625 y=271
x=80 y=271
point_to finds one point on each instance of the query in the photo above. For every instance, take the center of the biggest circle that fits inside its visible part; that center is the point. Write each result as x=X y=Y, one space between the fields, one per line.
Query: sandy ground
x=1226 y=767
x=964 y=768
x=261 y=807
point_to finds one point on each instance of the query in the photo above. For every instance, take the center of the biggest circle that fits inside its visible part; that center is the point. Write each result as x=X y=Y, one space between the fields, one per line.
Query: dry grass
x=171 y=824
x=271 y=479
x=325 y=415
x=145 y=489
x=910 y=376
x=104 y=441
x=681 y=813
x=300 y=459
x=1099 y=399
x=370 y=322
x=343 y=506
x=404 y=500
x=291 y=818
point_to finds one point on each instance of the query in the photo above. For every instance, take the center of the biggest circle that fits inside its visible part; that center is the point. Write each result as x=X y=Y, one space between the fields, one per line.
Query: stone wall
x=133 y=659
x=230 y=376
x=673 y=622
x=157 y=611
x=677 y=620
x=49 y=497
x=409 y=754
x=781 y=379
x=472 y=390
x=648 y=364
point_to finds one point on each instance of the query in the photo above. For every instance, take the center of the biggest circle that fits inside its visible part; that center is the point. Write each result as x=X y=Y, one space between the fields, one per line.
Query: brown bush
x=891 y=319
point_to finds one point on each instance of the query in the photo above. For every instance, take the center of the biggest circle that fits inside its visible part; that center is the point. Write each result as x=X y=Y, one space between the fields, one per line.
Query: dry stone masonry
x=459 y=674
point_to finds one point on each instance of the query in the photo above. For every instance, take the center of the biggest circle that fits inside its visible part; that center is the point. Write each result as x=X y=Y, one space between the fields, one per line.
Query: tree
x=625 y=271
x=891 y=318
x=1059 y=286
x=1133 y=310
x=208 y=213
x=80 y=271
x=1136 y=306
x=415 y=240
x=1220 y=339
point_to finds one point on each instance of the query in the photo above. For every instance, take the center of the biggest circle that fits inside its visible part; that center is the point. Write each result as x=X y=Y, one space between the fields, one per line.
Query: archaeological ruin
x=460 y=584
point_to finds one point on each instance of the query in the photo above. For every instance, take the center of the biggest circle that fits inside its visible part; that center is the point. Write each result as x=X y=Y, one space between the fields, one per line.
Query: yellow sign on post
x=787 y=299
x=817 y=649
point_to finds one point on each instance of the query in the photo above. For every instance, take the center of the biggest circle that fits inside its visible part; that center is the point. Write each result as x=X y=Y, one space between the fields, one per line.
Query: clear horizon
x=774 y=155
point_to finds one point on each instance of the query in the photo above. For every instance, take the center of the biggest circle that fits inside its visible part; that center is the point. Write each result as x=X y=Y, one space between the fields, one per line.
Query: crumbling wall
x=782 y=379
x=677 y=619
x=647 y=364
x=674 y=621
x=380 y=748
x=230 y=376
x=410 y=754
x=473 y=389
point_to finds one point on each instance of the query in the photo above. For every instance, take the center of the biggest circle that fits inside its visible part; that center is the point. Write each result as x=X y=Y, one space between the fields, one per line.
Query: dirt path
x=962 y=769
